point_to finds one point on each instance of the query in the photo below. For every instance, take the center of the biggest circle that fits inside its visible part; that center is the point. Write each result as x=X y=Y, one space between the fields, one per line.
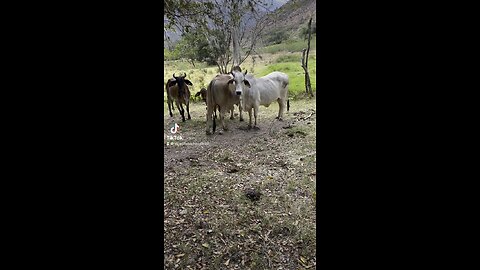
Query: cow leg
x=231 y=112
x=281 y=109
x=240 y=110
x=180 y=109
x=188 y=110
x=255 y=110
x=250 y=118
x=223 y=111
x=209 y=119
x=169 y=108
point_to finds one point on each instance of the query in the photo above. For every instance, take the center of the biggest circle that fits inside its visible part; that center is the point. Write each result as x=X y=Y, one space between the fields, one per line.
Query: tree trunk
x=236 y=46
x=235 y=21
x=308 y=86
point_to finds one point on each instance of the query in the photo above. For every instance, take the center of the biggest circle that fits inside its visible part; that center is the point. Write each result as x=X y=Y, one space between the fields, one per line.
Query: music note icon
x=175 y=128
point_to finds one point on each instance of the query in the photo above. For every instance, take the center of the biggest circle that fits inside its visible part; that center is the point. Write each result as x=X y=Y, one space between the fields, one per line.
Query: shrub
x=277 y=37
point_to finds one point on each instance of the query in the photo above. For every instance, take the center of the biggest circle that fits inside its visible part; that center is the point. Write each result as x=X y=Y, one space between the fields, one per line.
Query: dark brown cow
x=177 y=90
x=203 y=94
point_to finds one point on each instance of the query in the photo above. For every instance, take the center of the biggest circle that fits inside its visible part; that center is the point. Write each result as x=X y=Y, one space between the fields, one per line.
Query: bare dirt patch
x=244 y=199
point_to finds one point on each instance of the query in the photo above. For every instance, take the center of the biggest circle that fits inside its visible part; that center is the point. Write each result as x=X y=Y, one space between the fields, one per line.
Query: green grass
x=282 y=61
x=294 y=71
x=290 y=46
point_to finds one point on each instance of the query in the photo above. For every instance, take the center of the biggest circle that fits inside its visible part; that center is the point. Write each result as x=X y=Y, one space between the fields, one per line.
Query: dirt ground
x=244 y=199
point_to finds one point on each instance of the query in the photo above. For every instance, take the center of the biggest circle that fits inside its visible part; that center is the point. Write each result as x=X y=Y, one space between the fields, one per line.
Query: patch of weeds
x=289 y=58
x=226 y=157
x=306 y=241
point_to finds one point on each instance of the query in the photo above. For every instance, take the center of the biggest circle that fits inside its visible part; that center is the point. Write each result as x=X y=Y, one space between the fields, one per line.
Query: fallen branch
x=305 y=118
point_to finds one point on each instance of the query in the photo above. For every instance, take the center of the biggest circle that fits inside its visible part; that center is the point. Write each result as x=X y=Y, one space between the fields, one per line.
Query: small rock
x=233 y=170
x=202 y=225
x=252 y=194
x=183 y=212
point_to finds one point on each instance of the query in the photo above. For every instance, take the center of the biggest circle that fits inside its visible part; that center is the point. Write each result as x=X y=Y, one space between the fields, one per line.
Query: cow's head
x=202 y=93
x=181 y=81
x=239 y=79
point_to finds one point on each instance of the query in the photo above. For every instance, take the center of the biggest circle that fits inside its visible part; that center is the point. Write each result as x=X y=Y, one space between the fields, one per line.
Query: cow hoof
x=280 y=119
x=241 y=119
x=189 y=118
x=249 y=127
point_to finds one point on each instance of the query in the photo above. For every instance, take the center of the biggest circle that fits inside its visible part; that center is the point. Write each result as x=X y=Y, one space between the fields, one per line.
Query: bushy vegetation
x=194 y=48
x=277 y=37
x=289 y=46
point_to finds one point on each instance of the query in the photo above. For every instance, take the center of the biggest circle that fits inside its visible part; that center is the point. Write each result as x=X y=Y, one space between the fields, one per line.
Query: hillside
x=292 y=17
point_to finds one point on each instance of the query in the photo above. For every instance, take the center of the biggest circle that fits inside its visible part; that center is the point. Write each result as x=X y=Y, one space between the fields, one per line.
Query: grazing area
x=240 y=194
x=244 y=199
x=283 y=61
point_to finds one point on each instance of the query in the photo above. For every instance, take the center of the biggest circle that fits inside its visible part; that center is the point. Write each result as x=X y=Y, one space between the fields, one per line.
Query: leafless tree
x=308 y=86
x=226 y=24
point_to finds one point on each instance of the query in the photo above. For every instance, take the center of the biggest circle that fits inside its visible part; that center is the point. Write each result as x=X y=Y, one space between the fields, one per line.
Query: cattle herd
x=226 y=90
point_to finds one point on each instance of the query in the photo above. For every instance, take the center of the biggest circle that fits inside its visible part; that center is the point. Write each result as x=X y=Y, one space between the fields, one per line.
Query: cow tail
x=285 y=85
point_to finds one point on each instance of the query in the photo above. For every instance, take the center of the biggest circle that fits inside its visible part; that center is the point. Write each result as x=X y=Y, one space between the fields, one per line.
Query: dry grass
x=210 y=223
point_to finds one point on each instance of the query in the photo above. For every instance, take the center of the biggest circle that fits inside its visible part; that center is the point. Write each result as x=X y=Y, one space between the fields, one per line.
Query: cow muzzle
x=238 y=93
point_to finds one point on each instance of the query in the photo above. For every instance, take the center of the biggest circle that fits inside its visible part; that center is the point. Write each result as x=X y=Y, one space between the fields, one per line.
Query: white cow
x=261 y=91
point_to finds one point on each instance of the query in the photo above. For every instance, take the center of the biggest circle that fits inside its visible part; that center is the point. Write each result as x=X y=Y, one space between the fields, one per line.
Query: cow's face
x=181 y=82
x=239 y=80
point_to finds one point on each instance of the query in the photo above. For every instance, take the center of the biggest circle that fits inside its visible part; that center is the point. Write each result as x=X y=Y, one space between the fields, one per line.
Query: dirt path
x=209 y=221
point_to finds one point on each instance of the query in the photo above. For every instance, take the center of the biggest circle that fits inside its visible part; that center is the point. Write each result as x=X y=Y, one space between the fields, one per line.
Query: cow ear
x=171 y=83
x=230 y=81
x=246 y=83
x=188 y=82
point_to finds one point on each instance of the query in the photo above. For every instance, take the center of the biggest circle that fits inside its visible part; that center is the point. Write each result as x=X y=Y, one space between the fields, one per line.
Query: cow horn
x=185 y=75
x=245 y=72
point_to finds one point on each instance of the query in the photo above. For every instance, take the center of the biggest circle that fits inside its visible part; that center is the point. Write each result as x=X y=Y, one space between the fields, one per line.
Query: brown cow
x=221 y=95
x=177 y=90
x=203 y=94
